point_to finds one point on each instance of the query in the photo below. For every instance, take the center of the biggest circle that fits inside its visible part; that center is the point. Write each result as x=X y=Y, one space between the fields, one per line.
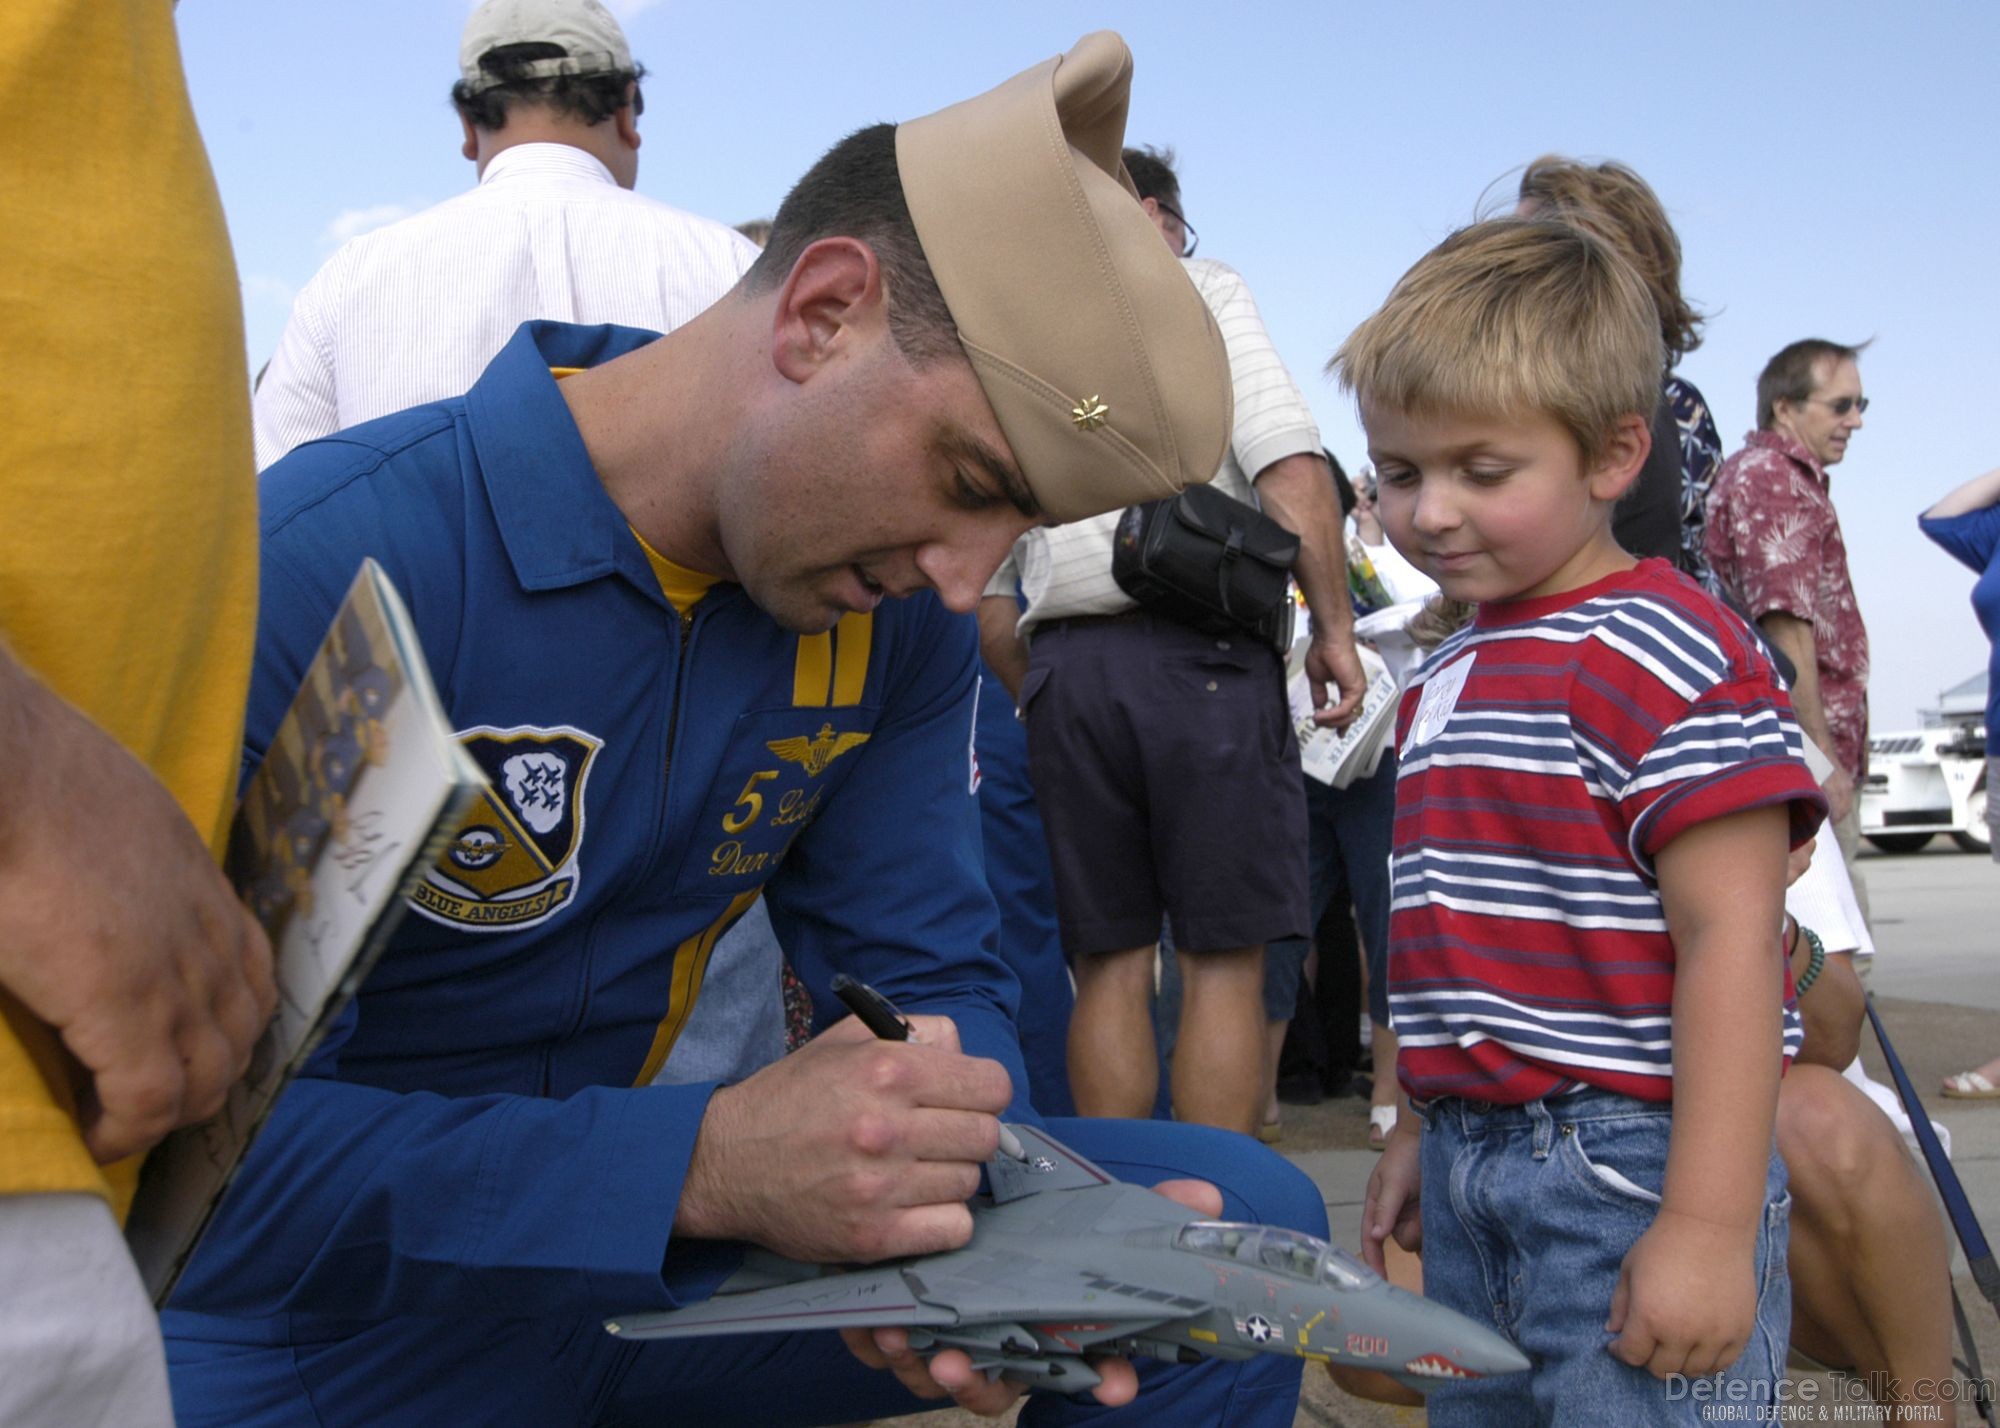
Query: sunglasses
x=1841 y=406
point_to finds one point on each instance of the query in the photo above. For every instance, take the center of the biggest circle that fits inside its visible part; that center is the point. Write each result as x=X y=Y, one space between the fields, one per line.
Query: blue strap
x=1978 y=1254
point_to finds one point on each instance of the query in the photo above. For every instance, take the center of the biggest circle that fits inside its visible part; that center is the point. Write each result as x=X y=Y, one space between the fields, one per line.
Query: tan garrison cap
x=1100 y=359
x=588 y=34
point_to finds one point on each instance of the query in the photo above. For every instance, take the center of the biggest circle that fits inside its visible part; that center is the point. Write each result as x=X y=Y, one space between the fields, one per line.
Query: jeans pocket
x=1626 y=1140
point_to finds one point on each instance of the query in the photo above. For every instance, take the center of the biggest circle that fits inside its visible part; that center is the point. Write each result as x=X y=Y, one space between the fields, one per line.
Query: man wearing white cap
x=661 y=580
x=548 y=96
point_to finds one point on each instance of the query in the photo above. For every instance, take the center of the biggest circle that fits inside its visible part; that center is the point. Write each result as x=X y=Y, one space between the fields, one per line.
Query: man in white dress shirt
x=549 y=98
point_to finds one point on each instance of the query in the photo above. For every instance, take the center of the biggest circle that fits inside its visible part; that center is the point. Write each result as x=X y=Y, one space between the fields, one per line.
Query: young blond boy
x=1600 y=781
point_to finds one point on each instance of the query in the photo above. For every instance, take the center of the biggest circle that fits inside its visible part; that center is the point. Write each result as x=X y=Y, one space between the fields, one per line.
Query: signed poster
x=359 y=790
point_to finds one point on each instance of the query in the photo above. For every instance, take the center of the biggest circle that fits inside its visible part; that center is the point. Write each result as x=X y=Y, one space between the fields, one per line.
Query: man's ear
x=626 y=117
x=470 y=148
x=833 y=297
x=1631 y=441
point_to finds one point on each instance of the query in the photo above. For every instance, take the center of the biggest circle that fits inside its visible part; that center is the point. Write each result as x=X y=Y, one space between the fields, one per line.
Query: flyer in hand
x=360 y=789
x=1338 y=757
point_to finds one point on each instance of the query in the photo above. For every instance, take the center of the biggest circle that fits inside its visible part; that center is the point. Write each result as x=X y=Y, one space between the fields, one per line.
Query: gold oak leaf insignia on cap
x=1089 y=414
x=814 y=754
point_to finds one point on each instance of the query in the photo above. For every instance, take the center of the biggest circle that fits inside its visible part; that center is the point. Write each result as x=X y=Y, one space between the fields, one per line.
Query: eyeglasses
x=1841 y=406
x=1188 y=236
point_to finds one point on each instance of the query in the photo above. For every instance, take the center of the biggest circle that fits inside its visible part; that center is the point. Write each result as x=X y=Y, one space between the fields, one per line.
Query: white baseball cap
x=591 y=41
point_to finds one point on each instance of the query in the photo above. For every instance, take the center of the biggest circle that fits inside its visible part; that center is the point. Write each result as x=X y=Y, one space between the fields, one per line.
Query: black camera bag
x=1209 y=561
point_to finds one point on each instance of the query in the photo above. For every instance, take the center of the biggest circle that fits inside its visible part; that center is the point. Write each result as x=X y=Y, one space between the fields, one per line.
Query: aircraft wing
x=1008 y=1284
x=1051 y=1165
x=861 y=1299
x=957 y=1288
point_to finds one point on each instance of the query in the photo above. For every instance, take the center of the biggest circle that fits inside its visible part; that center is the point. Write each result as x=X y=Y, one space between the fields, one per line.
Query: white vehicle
x=1927 y=781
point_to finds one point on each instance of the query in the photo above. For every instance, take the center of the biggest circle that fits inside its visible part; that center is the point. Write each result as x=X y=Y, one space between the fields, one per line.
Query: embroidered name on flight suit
x=772 y=807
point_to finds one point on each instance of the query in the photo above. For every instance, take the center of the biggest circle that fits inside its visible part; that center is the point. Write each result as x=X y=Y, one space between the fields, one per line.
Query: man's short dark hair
x=1789 y=376
x=593 y=98
x=1153 y=174
x=856 y=191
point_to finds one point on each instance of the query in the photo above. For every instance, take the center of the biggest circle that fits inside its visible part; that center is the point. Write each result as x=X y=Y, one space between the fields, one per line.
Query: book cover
x=361 y=787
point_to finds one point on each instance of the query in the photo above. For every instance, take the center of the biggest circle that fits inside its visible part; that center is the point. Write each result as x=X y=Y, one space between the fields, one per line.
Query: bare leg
x=1218 y=1071
x=1274 y=1050
x=1114 y=1065
x=1871 y=1270
x=1382 y=1050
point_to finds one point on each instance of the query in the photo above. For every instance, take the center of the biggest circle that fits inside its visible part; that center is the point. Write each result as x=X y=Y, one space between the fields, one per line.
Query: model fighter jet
x=1065 y=1261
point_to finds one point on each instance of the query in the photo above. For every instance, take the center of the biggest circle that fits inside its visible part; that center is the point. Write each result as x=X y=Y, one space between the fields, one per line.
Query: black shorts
x=1168 y=778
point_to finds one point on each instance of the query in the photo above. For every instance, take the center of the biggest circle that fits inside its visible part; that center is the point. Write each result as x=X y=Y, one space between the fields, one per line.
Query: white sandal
x=1970 y=1086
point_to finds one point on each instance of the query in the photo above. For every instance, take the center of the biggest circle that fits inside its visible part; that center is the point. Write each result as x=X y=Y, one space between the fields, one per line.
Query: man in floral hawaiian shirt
x=1774 y=540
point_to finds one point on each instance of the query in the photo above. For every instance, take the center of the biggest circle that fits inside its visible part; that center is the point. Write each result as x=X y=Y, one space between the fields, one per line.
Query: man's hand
x=1297 y=492
x=1686 y=1300
x=1392 y=1205
x=1332 y=659
x=120 y=932
x=1839 y=787
x=951 y=1372
x=849 y=1149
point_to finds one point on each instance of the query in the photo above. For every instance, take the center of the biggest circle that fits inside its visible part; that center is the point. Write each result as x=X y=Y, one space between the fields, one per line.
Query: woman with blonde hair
x=1613 y=202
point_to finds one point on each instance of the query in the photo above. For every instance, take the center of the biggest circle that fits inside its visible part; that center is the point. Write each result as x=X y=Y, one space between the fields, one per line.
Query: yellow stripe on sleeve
x=813 y=675
x=690 y=966
x=853 y=637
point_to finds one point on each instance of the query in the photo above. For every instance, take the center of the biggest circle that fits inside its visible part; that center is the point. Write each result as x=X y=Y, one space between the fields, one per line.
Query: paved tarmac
x=1936 y=983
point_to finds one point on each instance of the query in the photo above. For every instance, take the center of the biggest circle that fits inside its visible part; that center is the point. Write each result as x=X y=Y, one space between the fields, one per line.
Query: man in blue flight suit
x=649 y=575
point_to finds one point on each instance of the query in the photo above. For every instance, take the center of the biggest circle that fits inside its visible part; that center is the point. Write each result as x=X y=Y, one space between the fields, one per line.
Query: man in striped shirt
x=1600 y=781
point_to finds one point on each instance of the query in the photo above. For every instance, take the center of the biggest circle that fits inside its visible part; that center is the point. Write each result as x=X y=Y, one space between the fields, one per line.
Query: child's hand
x=1686 y=1300
x=1392 y=1204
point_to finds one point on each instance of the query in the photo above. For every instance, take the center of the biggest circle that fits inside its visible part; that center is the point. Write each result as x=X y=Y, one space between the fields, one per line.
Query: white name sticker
x=1435 y=704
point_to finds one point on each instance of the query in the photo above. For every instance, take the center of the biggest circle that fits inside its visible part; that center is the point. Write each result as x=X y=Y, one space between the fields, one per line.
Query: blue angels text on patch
x=514 y=860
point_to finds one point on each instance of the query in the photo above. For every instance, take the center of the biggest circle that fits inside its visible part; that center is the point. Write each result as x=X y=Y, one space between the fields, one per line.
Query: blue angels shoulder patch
x=514 y=860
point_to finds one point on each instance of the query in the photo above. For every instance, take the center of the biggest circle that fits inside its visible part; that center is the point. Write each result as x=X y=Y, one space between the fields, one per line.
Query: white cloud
x=353 y=222
x=262 y=288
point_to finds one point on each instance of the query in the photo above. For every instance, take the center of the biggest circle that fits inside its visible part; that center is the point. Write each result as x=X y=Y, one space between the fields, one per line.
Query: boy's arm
x=1687 y=1296
x=1393 y=1205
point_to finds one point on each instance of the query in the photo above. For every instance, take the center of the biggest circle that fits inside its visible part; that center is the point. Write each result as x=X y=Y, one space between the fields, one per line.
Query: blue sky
x=1830 y=169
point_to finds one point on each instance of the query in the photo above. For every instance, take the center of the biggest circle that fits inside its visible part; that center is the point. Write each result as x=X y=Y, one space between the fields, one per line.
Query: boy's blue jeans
x=1528 y=1213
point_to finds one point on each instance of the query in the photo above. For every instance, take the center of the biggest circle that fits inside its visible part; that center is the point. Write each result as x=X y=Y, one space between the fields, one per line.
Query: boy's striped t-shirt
x=1548 y=751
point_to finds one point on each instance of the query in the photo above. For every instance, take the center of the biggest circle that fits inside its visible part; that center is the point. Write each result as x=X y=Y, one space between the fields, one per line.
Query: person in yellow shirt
x=132 y=982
